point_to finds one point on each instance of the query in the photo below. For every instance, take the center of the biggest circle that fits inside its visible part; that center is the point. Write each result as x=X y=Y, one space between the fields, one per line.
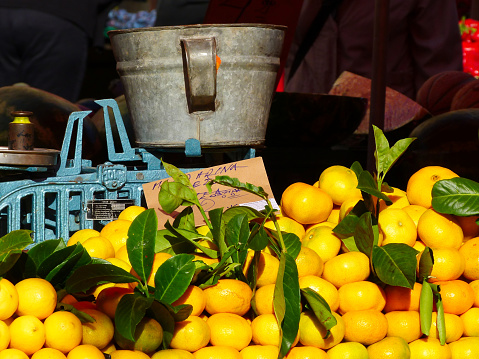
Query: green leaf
x=395 y=264
x=292 y=244
x=440 y=320
x=365 y=234
x=347 y=227
x=90 y=275
x=161 y=313
x=385 y=156
x=366 y=183
x=286 y=301
x=41 y=251
x=130 y=311
x=426 y=262
x=236 y=183
x=11 y=246
x=169 y=242
x=140 y=243
x=237 y=234
x=173 y=277
x=320 y=308
x=251 y=213
x=60 y=264
x=259 y=238
x=185 y=220
x=177 y=174
x=219 y=229
x=425 y=307
x=173 y=195
x=458 y=196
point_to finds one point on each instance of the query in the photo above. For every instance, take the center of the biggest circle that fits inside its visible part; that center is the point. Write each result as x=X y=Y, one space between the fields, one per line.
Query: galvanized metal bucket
x=212 y=83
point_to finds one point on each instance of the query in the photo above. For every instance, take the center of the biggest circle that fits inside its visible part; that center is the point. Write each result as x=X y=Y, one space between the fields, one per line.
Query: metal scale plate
x=35 y=157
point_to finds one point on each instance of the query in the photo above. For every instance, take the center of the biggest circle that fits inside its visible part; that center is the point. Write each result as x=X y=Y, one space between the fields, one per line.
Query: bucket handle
x=199 y=69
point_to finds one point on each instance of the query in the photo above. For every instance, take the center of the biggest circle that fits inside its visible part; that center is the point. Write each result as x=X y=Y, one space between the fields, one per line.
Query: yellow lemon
x=63 y=331
x=340 y=183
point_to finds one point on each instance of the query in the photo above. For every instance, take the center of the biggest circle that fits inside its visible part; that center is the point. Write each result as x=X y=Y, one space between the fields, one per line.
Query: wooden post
x=378 y=79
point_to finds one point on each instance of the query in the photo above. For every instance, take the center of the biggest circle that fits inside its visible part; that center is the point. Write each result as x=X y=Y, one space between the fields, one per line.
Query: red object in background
x=470 y=45
x=280 y=87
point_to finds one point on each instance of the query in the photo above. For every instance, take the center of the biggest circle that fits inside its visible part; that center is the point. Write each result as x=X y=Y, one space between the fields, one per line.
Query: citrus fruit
x=389 y=347
x=119 y=263
x=263 y=299
x=100 y=332
x=131 y=212
x=228 y=296
x=402 y=298
x=347 y=206
x=425 y=348
x=287 y=225
x=158 y=260
x=475 y=287
x=230 y=330
x=346 y=268
x=217 y=352
x=470 y=251
x=333 y=216
x=405 y=324
x=397 y=227
x=360 y=295
x=324 y=288
x=36 y=296
x=365 y=326
x=82 y=235
x=118 y=225
x=118 y=239
x=465 y=348
x=339 y=182
x=4 y=335
x=8 y=299
x=191 y=334
x=260 y=352
x=267 y=268
x=306 y=352
x=63 y=331
x=449 y=264
x=122 y=253
x=85 y=351
x=398 y=198
x=99 y=247
x=48 y=353
x=469 y=226
x=350 y=350
x=27 y=333
x=266 y=331
x=12 y=353
x=69 y=299
x=172 y=354
x=148 y=336
x=128 y=354
x=419 y=186
x=313 y=333
x=309 y=262
x=414 y=211
x=195 y=297
x=111 y=347
x=457 y=296
x=323 y=241
x=439 y=230
x=470 y=319
x=306 y=204
x=453 y=324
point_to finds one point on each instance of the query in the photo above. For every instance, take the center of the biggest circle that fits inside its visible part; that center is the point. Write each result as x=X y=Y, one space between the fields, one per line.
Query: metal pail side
x=214 y=83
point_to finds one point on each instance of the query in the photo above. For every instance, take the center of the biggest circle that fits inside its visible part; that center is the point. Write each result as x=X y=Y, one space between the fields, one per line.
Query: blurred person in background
x=45 y=43
x=423 y=40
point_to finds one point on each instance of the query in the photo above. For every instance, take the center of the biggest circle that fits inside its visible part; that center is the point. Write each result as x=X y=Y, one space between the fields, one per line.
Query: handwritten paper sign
x=247 y=171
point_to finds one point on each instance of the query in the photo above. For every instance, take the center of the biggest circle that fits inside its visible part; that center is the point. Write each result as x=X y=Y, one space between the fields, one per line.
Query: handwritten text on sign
x=247 y=171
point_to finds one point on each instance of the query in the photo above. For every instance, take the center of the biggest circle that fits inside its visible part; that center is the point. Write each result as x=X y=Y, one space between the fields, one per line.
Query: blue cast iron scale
x=56 y=202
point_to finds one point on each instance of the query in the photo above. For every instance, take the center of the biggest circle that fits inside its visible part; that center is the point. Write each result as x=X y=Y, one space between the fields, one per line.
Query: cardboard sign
x=273 y=12
x=247 y=171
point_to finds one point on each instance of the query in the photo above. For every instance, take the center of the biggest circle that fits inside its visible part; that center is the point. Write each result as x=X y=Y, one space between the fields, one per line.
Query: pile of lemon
x=229 y=320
